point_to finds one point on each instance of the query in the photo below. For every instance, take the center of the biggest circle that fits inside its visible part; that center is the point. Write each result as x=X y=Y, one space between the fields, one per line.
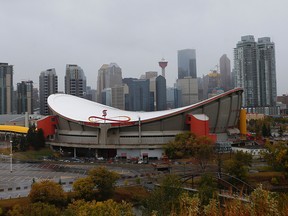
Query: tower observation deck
x=163 y=64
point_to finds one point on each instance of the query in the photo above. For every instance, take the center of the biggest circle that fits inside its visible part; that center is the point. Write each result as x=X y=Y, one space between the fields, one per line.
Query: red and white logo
x=104 y=113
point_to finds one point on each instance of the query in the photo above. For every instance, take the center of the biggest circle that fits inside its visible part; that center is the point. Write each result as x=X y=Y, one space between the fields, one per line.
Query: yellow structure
x=242 y=125
x=14 y=129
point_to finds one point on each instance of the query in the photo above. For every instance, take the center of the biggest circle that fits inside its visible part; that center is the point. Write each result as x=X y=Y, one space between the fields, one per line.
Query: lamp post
x=11 y=154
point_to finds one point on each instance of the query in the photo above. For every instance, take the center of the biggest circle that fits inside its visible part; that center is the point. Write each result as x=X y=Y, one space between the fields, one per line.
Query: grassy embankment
x=28 y=155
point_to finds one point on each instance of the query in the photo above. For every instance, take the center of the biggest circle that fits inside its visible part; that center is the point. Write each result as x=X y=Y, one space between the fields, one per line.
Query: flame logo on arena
x=104 y=113
x=103 y=119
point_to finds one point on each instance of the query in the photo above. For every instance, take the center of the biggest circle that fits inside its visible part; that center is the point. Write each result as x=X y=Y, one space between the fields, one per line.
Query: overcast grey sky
x=37 y=35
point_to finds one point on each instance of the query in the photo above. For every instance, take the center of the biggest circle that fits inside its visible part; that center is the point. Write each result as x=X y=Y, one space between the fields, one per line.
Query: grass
x=33 y=155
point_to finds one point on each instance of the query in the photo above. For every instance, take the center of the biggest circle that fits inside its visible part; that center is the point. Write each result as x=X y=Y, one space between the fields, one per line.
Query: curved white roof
x=79 y=109
x=82 y=110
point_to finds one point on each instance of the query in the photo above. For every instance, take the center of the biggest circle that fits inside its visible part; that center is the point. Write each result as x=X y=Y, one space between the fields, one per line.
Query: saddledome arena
x=80 y=127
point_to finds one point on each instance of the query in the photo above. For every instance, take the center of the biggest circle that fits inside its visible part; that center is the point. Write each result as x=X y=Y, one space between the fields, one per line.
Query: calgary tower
x=163 y=64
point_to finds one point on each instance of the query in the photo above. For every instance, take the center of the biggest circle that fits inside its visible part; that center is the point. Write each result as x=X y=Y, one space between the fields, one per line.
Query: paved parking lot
x=19 y=181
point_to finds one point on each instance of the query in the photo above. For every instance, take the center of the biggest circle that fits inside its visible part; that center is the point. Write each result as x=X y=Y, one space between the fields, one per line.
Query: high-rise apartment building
x=225 y=72
x=254 y=68
x=6 y=88
x=75 y=81
x=48 y=84
x=109 y=76
x=25 y=97
x=245 y=67
x=187 y=63
x=267 y=71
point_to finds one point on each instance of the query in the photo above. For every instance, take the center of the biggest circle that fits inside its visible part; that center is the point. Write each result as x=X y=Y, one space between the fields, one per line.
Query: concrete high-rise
x=255 y=72
x=267 y=71
x=109 y=76
x=25 y=97
x=75 y=81
x=245 y=68
x=189 y=90
x=48 y=84
x=149 y=75
x=6 y=88
x=187 y=63
x=225 y=72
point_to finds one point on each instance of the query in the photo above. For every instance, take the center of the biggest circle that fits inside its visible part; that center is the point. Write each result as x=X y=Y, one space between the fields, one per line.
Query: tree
x=84 y=188
x=23 y=144
x=277 y=156
x=237 y=207
x=203 y=151
x=263 y=202
x=188 y=206
x=47 y=192
x=34 y=209
x=108 y=207
x=266 y=130
x=35 y=138
x=207 y=189
x=238 y=165
x=165 y=198
x=181 y=146
x=189 y=145
x=212 y=208
x=31 y=136
x=104 y=181
x=40 y=139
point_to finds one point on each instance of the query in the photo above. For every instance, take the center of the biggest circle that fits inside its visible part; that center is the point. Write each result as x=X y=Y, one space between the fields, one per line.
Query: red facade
x=48 y=125
x=199 y=125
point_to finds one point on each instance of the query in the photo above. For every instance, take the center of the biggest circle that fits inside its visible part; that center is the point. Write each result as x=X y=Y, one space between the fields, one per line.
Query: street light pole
x=11 y=154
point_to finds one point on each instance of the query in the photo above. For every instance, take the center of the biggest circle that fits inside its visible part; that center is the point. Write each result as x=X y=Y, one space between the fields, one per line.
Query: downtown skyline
x=135 y=35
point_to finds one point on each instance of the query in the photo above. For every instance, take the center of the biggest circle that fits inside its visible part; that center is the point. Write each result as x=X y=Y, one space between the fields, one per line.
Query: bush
x=274 y=181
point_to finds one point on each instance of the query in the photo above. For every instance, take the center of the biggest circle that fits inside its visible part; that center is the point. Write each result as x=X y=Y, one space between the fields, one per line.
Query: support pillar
x=96 y=153
x=75 y=152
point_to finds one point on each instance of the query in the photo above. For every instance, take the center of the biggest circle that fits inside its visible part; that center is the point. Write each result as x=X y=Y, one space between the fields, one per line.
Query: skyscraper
x=225 y=72
x=139 y=97
x=187 y=63
x=267 y=71
x=48 y=84
x=189 y=90
x=255 y=72
x=75 y=81
x=6 y=88
x=161 y=94
x=109 y=76
x=245 y=67
x=25 y=97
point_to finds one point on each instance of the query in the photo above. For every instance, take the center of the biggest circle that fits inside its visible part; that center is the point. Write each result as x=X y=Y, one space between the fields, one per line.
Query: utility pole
x=11 y=154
